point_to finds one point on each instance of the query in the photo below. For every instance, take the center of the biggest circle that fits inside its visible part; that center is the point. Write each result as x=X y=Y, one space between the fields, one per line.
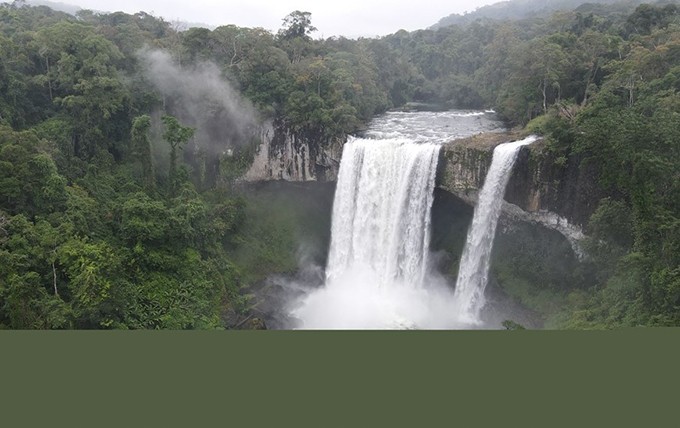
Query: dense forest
x=122 y=138
x=524 y=9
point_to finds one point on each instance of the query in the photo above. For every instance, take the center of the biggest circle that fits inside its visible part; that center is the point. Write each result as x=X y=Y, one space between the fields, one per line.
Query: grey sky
x=350 y=18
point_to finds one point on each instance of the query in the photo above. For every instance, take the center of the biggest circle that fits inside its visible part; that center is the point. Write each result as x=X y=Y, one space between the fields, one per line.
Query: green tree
x=176 y=135
x=297 y=25
x=81 y=78
x=294 y=35
x=142 y=148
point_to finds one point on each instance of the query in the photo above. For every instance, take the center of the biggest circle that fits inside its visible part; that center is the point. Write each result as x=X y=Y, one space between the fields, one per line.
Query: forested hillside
x=122 y=138
x=524 y=9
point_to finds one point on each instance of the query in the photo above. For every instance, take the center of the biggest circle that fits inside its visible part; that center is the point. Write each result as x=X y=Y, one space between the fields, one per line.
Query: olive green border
x=321 y=378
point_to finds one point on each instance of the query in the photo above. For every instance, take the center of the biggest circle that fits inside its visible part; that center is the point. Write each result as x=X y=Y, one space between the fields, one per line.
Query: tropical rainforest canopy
x=117 y=211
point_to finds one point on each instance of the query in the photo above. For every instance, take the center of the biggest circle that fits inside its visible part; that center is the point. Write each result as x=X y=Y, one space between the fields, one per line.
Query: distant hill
x=73 y=10
x=521 y=9
x=59 y=6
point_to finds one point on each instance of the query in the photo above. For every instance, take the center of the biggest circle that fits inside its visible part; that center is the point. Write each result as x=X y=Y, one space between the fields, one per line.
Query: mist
x=357 y=300
x=200 y=97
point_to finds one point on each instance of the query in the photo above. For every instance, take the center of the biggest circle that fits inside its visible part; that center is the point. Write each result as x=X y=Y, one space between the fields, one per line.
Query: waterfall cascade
x=381 y=212
x=473 y=272
x=378 y=273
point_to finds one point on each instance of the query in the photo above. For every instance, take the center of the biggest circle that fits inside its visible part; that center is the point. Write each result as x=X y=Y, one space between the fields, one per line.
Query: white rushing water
x=380 y=236
x=378 y=273
x=381 y=212
x=473 y=273
x=432 y=126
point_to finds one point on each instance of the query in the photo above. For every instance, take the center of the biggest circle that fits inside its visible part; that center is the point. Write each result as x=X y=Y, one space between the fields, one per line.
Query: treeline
x=116 y=208
x=523 y=9
x=522 y=67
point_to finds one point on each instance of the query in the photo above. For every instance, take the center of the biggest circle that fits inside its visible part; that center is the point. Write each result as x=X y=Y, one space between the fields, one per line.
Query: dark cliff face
x=565 y=186
x=540 y=183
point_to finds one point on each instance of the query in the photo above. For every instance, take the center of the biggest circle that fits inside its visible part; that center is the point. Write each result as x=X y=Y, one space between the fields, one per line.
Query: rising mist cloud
x=201 y=98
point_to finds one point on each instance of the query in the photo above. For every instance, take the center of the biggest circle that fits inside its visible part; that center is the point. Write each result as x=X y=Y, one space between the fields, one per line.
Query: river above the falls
x=432 y=126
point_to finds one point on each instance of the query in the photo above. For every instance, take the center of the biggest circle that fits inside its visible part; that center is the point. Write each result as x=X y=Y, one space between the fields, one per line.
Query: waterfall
x=380 y=236
x=381 y=212
x=473 y=272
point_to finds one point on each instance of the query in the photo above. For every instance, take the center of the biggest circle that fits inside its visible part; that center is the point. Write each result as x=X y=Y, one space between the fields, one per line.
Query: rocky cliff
x=560 y=193
x=283 y=155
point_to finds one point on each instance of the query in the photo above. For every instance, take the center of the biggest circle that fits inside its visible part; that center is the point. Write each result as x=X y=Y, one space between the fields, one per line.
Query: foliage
x=104 y=226
x=297 y=25
x=511 y=325
x=176 y=135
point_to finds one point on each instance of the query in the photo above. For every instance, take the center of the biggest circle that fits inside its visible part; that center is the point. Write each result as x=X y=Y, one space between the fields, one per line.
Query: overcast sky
x=349 y=18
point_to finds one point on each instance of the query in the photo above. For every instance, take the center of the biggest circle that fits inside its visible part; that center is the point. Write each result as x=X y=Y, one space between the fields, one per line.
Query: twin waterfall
x=378 y=274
